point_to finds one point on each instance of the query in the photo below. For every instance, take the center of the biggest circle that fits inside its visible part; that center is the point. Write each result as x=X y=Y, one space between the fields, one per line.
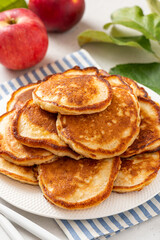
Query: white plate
x=30 y=199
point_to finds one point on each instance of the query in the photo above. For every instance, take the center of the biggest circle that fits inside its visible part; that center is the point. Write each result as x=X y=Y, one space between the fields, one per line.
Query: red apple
x=58 y=15
x=23 y=39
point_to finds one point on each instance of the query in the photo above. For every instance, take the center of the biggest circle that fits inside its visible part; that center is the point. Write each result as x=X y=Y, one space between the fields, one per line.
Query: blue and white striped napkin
x=101 y=228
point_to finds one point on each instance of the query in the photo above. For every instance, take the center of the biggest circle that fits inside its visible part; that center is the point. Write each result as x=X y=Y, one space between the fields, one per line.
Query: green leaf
x=154 y=6
x=147 y=74
x=133 y=17
x=10 y=4
x=99 y=36
x=93 y=36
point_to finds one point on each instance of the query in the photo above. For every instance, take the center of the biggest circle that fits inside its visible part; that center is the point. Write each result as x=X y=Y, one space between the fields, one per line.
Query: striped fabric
x=101 y=228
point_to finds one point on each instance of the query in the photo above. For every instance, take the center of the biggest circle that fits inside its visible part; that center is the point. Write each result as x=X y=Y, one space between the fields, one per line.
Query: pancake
x=77 y=71
x=149 y=136
x=116 y=81
x=138 y=91
x=35 y=127
x=19 y=173
x=103 y=72
x=72 y=94
x=137 y=172
x=22 y=95
x=105 y=134
x=14 y=151
x=81 y=184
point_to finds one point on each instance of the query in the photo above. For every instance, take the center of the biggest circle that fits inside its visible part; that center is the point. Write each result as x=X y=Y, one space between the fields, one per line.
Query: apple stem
x=12 y=21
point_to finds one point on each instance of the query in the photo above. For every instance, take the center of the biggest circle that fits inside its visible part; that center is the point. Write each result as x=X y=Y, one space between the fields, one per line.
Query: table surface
x=97 y=13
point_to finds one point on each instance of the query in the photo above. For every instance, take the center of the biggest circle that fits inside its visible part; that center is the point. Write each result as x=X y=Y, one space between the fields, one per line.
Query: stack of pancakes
x=80 y=135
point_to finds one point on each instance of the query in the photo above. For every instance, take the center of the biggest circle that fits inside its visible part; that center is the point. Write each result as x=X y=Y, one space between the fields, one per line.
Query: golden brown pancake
x=103 y=73
x=138 y=91
x=78 y=71
x=72 y=94
x=81 y=184
x=149 y=136
x=35 y=127
x=105 y=134
x=19 y=173
x=116 y=81
x=14 y=151
x=20 y=96
x=137 y=172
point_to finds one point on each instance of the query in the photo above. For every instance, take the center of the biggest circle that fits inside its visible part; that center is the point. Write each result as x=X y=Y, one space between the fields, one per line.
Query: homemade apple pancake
x=138 y=91
x=36 y=127
x=149 y=135
x=20 y=96
x=14 y=151
x=103 y=72
x=81 y=184
x=105 y=134
x=72 y=94
x=116 y=81
x=77 y=71
x=19 y=173
x=137 y=172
